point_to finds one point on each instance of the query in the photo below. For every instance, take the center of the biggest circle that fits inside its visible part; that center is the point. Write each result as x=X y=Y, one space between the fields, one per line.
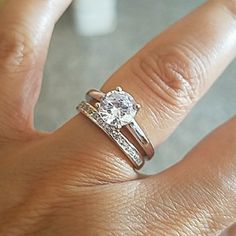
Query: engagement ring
x=115 y=112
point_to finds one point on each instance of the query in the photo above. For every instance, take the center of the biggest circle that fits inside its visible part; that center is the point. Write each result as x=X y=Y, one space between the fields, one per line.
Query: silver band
x=133 y=127
x=124 y=144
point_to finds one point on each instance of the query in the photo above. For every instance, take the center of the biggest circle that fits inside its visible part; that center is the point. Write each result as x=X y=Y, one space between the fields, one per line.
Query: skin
x=75 y=181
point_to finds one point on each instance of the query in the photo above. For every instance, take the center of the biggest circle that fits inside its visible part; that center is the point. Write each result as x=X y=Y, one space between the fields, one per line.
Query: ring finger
x=166 y=77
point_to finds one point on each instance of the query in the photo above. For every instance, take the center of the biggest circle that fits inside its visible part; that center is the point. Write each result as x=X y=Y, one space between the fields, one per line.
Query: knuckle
x=16 y=53
x=171 y=74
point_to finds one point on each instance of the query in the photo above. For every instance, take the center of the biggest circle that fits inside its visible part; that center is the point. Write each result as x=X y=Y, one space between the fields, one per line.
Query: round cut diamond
x=117 y=108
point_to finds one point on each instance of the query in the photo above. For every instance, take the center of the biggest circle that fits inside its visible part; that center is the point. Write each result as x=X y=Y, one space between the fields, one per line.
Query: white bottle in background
x=95 y=17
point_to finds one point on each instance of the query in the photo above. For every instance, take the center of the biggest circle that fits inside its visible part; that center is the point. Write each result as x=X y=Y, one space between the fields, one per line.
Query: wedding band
x=133 y=127
x=124 y=144
x=113 y=111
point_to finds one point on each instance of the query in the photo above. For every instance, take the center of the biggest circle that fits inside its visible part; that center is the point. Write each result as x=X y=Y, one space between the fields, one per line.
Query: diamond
x=82 y=105
x=90 y=111
x=115 y=135
x=100 y=121
x=95 y=116
x=123 y=142
x=106 y=127
x=118 y=108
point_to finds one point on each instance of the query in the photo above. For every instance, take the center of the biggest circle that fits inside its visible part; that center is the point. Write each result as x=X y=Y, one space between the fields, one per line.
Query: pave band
x=125 y=145
x=132 y=127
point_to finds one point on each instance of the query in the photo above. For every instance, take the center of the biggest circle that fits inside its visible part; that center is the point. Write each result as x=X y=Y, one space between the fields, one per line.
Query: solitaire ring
x=114 y=112
x=125 y=116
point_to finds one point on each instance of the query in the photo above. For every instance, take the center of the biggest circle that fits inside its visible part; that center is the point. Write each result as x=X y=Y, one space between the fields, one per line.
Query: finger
x=167 y=77
x=199 y=193
x=25 y=31
x=175 y=69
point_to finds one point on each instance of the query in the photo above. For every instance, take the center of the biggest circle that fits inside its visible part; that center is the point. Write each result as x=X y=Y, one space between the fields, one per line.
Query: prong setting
x=119 y=89
x=138 y=106
x=97 y=104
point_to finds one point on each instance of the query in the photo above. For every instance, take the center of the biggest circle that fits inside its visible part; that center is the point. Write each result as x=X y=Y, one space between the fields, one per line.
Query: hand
x=75 y=181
